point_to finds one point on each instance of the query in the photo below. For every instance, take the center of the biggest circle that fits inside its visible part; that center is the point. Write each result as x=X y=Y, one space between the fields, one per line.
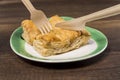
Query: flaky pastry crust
x=56 y=41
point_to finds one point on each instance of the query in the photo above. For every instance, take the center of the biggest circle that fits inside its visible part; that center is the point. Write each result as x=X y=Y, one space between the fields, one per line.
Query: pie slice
x=57 y=41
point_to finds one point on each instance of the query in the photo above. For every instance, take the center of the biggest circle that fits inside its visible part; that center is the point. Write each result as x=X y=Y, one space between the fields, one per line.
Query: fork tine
x=47 y=27
x=41 y=31
x=50 y=26
x=44 y=29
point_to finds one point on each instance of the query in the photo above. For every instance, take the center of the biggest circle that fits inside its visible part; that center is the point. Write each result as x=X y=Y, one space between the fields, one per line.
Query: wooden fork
x=38 y=17
x=79 y=23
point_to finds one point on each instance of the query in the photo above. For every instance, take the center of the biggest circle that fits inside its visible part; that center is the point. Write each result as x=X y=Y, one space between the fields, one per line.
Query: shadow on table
x=70 y=65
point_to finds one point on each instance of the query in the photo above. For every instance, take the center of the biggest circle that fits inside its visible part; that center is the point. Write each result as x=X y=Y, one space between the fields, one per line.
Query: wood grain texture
x=105 y=66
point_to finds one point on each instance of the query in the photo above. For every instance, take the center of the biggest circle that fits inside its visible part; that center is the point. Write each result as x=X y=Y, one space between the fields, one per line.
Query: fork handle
x=111 y=11
x=28 y=5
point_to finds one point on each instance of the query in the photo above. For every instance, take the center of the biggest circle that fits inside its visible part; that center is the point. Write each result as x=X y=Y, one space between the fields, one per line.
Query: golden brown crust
x=55 y=42
x=30 y=31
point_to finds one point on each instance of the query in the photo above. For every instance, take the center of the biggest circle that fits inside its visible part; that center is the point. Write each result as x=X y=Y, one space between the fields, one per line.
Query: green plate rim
x=16 y=38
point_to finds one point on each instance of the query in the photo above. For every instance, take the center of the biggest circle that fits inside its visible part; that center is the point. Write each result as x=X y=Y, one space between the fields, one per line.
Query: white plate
x=96 y=45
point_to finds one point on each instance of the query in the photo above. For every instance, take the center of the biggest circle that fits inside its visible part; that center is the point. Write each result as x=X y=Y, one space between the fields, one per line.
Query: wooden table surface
x=105 y=66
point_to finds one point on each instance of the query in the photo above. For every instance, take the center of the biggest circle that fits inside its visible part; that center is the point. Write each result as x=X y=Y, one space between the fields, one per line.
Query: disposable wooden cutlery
x=38 y=17
x=79 y=23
